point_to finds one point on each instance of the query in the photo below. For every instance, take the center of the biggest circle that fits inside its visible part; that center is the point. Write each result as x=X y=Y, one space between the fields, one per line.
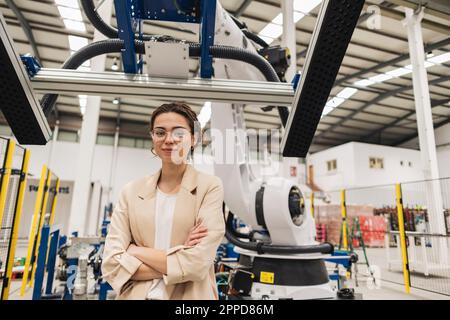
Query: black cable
x=255 y=38
x=88 y=52
x=112 y=33
x=98 y=23
x=104 y=28
x=252 y=36
x=247 y=56
x=261 y=247
x=323 y=248
x=116 y=45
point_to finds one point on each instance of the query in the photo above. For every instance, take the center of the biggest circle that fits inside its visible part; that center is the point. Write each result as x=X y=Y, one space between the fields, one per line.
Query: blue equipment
x=132 y=13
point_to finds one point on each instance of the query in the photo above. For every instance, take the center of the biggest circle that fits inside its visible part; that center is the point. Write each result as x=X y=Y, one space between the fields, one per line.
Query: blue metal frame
x=130 y=13
x=40 y=266
x=343 y=258
x=179 y=11
x=104 y=288
x=295 y=81
x=51 y=261
x=46 y=262
x=126 y=33
x=70 y=275
x=207 y=37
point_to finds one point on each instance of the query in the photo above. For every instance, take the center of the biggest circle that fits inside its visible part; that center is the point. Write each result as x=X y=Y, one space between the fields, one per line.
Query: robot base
x=262 y=291
x=298 y=279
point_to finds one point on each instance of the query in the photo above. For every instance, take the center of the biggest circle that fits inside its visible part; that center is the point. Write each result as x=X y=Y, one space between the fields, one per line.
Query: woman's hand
x=133 y=249
x=196 y=234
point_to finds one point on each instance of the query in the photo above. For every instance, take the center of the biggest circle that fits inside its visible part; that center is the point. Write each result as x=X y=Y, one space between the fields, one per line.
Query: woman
x=166 y=228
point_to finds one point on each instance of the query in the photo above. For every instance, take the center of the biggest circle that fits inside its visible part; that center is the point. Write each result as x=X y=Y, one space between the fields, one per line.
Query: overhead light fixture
x=381 y=77
x=398 y=72
x=442 y=58
x=335 y=102
x=116 y=101
x=347 y=93
x=326 y=110
x=67 y=3
x=306 y=6
x=364 y=83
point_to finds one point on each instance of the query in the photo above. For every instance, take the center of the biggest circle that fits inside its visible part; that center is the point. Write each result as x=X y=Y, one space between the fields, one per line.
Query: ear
x=194 y=140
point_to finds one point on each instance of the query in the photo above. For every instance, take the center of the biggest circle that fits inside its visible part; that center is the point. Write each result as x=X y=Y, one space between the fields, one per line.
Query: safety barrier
x=401 y=232
x=44 y=215
x=14 y=159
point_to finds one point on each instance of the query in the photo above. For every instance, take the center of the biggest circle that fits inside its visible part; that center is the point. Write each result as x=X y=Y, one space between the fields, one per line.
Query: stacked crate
x=373 y=230
x=330 y=215
x=321 y=232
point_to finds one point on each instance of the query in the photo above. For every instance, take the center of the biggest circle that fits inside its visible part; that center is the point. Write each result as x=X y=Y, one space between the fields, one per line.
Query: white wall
x=353 y=166
x=344 y=174
x=442 y=137
x=443 y=156
x=393 y=171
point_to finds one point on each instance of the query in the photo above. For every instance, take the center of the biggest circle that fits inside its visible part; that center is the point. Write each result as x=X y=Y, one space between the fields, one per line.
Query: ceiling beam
x=25 y=26
x=376 y=100
x=405 y=117
x=392 y=62
x=242 y=8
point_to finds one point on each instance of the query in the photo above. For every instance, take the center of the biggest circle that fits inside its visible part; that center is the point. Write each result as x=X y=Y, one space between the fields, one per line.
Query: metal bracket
x=31 y=64
x=158 y=53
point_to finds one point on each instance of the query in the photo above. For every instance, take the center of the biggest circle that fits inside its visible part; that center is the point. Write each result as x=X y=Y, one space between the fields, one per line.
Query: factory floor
x=391 y=288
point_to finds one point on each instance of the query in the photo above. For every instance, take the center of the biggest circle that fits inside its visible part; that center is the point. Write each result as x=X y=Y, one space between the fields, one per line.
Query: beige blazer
x=190 y=270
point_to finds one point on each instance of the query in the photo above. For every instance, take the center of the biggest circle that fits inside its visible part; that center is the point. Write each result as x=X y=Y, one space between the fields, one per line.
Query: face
x=172 y=138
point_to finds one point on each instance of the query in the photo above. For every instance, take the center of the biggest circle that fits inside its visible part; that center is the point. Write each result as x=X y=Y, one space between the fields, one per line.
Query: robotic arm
x=269 y=203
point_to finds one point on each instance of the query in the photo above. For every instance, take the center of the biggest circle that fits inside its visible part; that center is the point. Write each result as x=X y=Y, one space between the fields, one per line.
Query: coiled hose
x=260 y=247
x=104 y=28
x=116 y=45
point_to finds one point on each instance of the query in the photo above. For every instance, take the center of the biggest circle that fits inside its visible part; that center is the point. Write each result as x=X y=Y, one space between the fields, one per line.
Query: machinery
x=279 y=257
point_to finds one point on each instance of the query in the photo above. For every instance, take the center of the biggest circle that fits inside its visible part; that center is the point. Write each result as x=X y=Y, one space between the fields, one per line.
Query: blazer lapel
x=145 y=210
x=184 y=214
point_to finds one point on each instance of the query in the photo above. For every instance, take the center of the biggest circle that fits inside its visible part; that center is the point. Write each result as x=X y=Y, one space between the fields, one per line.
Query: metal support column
x=88 y=138
x=425 y=127
x=52 y=144
x=112 y=175
x=288 y=37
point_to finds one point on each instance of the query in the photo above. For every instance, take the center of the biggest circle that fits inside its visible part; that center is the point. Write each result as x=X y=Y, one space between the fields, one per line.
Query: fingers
x=193 y=242
x=198 y=235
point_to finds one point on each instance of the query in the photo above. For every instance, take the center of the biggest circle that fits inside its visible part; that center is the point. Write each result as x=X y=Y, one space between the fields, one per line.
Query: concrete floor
x=390 y=285
x=385 y=290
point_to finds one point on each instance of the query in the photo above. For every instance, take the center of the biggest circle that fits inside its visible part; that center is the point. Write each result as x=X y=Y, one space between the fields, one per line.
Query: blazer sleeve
x=118 y=266
x=193 y=263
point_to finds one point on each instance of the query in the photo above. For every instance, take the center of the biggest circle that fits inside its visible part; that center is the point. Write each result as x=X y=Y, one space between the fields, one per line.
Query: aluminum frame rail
x=143 y=86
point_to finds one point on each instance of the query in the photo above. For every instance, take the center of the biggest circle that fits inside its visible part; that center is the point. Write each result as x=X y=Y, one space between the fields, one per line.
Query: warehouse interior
x=327 y=121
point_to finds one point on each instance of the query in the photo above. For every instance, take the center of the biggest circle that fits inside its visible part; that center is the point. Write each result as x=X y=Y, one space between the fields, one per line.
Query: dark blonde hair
x=177 y=107
x=180 y=108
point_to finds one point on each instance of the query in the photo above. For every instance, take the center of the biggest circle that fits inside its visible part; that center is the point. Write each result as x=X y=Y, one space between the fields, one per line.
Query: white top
x=165 y=207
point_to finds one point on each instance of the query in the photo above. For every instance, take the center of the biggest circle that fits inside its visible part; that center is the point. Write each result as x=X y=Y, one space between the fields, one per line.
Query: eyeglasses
x=177 y=134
